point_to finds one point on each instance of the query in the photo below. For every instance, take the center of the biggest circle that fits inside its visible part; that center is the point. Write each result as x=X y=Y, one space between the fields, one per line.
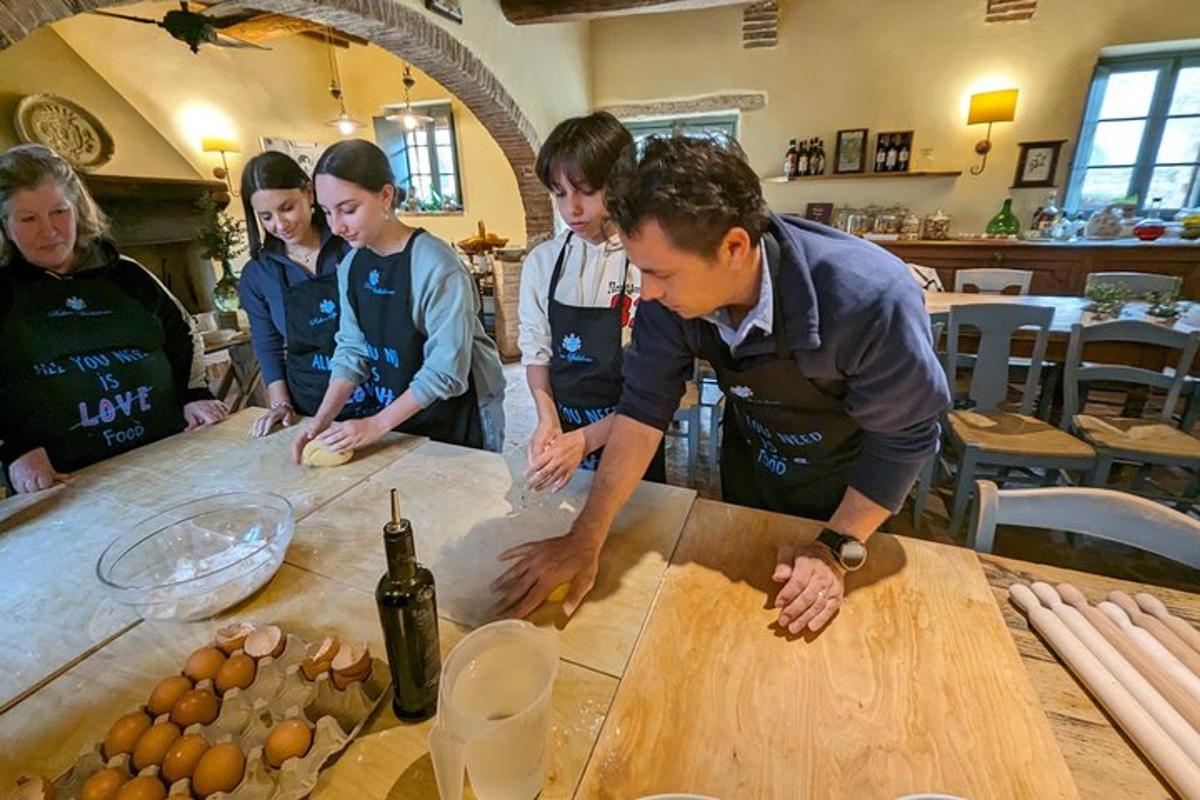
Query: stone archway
x=402 y=31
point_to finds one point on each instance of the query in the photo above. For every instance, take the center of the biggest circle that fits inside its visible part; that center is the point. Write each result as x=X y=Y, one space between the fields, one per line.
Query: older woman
x=98 y=357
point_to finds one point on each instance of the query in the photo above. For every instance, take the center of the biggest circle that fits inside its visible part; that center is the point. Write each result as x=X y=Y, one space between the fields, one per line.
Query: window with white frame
x=721 y=126
x=424 y=158
x=1140 y=135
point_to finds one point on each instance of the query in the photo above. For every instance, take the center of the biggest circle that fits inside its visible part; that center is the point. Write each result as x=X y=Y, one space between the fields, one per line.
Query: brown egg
x=290 y=739
x=204 y=664
x=124 y=733
x=233 y=636
x=167 y=693
x=104 y=784
x=145 y=787
x=237 y=672
x=220 y=770
x=180 y=761
x=265 y=641
x=153 y=745
x=33 y=787
x=198 y=705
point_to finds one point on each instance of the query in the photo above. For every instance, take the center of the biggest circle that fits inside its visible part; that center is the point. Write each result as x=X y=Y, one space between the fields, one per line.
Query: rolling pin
x=1078 y=616
x=1154 y=607
x=1178 y=647
x=1151 y=740
x=1152 y=647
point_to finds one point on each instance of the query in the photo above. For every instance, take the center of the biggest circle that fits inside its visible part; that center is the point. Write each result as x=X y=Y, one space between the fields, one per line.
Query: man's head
x=691 y=214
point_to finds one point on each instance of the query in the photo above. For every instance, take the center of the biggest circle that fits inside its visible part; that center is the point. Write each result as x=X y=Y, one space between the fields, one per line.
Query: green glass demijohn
x=1005 y=223
x=225 y=293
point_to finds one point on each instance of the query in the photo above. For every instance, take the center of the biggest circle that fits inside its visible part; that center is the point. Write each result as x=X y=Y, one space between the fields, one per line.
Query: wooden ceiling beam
x=532 y=12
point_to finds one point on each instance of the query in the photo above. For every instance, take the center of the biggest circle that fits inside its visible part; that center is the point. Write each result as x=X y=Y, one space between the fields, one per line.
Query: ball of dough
x=317 y=454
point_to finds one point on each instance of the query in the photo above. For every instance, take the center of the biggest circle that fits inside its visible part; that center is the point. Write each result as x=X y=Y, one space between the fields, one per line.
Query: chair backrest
x=1104 y=513
x=1076 y=372
x=926 y=277
x=938 y=320
x=996 y=323
x=992 y=281
x=1138 y=283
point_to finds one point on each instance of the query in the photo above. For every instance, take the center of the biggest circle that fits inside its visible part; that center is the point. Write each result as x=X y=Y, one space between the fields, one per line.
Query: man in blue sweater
x=821 y=345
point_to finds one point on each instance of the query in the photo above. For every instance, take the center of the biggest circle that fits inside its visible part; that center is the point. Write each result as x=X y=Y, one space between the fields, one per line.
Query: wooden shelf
x=864 y=176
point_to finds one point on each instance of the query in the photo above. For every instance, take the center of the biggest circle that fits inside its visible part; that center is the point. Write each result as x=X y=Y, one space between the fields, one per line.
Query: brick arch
x=402 y=31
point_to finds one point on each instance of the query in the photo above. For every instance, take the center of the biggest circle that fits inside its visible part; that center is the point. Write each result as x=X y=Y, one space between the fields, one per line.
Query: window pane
x=1102 y=186
x=1180 y=141
x=1172 y=184
x=424 y=183
x=445 y=159
x=1116 y=143
x=420 y=137
x=1187 y=92
x=442 y=135
x=423 y=160
x=413 y=165
x=1128 y=94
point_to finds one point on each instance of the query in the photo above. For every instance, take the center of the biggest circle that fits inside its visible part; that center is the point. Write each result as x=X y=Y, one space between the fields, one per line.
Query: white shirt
x=591 y=277
x=762 y=316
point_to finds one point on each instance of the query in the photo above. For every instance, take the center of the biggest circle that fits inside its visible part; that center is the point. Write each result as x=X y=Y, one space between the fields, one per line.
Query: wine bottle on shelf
x=1047 y=216
x=803 y=162
x=881 y=145
x=902 y=157
x=889 y=161
x=790 y=160
x=407 y=601
x=817 y=164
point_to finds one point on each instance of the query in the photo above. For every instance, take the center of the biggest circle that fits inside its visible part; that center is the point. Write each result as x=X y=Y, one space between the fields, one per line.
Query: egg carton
x=280 y=691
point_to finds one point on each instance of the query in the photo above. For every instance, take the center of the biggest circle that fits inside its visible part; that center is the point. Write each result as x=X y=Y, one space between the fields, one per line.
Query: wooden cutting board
x=915 y=687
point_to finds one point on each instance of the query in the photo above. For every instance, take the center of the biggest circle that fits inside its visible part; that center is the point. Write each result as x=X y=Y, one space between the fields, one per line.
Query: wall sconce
x=990 y=107
x=222 y=145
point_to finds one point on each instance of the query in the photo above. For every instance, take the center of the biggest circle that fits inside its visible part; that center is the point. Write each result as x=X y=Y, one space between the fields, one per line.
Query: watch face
x=853 y=555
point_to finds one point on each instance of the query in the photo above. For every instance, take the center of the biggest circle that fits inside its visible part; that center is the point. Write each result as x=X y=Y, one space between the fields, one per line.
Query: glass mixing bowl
x=195 y=559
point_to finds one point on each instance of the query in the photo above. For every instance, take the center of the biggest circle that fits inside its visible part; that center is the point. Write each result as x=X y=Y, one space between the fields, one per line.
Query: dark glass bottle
x=407 y=602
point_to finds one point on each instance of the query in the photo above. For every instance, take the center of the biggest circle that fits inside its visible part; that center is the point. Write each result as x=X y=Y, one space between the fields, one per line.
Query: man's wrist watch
x=849 y=552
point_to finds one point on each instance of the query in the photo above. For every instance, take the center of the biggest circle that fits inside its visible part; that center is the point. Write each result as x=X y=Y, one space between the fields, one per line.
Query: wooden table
x=673 y=677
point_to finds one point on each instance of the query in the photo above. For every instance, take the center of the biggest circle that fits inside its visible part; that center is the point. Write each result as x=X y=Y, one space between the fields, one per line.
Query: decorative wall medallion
x=71 y=131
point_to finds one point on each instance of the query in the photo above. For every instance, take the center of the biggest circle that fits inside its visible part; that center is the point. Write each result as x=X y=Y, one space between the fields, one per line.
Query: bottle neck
x=401 y=554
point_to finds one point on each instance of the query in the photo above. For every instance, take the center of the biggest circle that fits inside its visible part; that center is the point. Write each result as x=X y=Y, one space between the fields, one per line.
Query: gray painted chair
x=1141 y=441
x=985 y=435
x=991 y=280
x=1106 y=514
x=1139 y=283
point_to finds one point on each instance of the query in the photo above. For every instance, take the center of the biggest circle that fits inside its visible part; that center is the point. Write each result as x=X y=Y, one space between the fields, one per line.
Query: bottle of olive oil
x=407 y=602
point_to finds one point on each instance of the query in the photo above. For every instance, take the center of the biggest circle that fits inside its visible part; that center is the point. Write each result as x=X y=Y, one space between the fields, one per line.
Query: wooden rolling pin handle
x=1073 y=596
x=1153 y=606
x=1171 y=762
x=1179 y=648
x=1154 y=649
x=1045 y=592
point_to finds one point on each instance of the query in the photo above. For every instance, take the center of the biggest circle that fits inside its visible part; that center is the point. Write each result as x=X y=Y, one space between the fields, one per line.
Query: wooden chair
x=1147 y=442
x=1139 y=283
x=993 y=281
x=984 y=434
x=1104 y=513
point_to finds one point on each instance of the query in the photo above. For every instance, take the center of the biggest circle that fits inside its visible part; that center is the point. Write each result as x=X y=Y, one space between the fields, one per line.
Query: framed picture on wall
x=893 y=151
x=303 y=153
x=450 y=9
x=851 y=151
x=1037 y=164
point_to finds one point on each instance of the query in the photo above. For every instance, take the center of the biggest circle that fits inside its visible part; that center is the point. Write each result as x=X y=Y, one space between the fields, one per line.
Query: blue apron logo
x=744 y=392
x=569 y=350
x=328 y=313
x=76 y=307
x=76 y=303
x=372 y=284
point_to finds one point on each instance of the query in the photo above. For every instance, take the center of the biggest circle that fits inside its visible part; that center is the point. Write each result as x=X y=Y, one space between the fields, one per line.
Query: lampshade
x=219 y=144
x=998 y=106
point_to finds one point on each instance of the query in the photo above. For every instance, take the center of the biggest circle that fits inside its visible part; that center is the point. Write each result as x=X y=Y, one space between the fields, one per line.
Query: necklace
x=305 y=258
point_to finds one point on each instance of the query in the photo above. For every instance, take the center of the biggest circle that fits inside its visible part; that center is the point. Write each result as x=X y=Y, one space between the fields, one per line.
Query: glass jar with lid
x=936 y=226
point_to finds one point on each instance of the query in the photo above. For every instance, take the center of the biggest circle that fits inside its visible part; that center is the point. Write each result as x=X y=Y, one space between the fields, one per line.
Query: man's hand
x=543 y=434
x=33 y=472
x=199 y=413
x=353 y=434
x=813 y=587
x=541 y=567
x=557 y=462
x=282 y=414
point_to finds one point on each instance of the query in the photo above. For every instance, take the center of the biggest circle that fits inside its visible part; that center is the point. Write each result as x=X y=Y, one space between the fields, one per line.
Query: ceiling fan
x=195 y=28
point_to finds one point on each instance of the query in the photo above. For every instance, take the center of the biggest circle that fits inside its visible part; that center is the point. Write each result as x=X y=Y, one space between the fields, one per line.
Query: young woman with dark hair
x=409 y=333
x=577 y=302
x=289 y=290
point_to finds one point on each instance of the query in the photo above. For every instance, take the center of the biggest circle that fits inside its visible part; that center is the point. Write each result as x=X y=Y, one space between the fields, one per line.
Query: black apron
x=311 y=311
x=585 y=365
x=380 y=292
x=89 y=374
x=788 y=444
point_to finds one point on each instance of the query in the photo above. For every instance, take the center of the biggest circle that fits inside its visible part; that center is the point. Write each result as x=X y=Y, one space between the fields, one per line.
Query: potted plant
x=1108 y=300
x=1164 y=306
x=222 y=238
